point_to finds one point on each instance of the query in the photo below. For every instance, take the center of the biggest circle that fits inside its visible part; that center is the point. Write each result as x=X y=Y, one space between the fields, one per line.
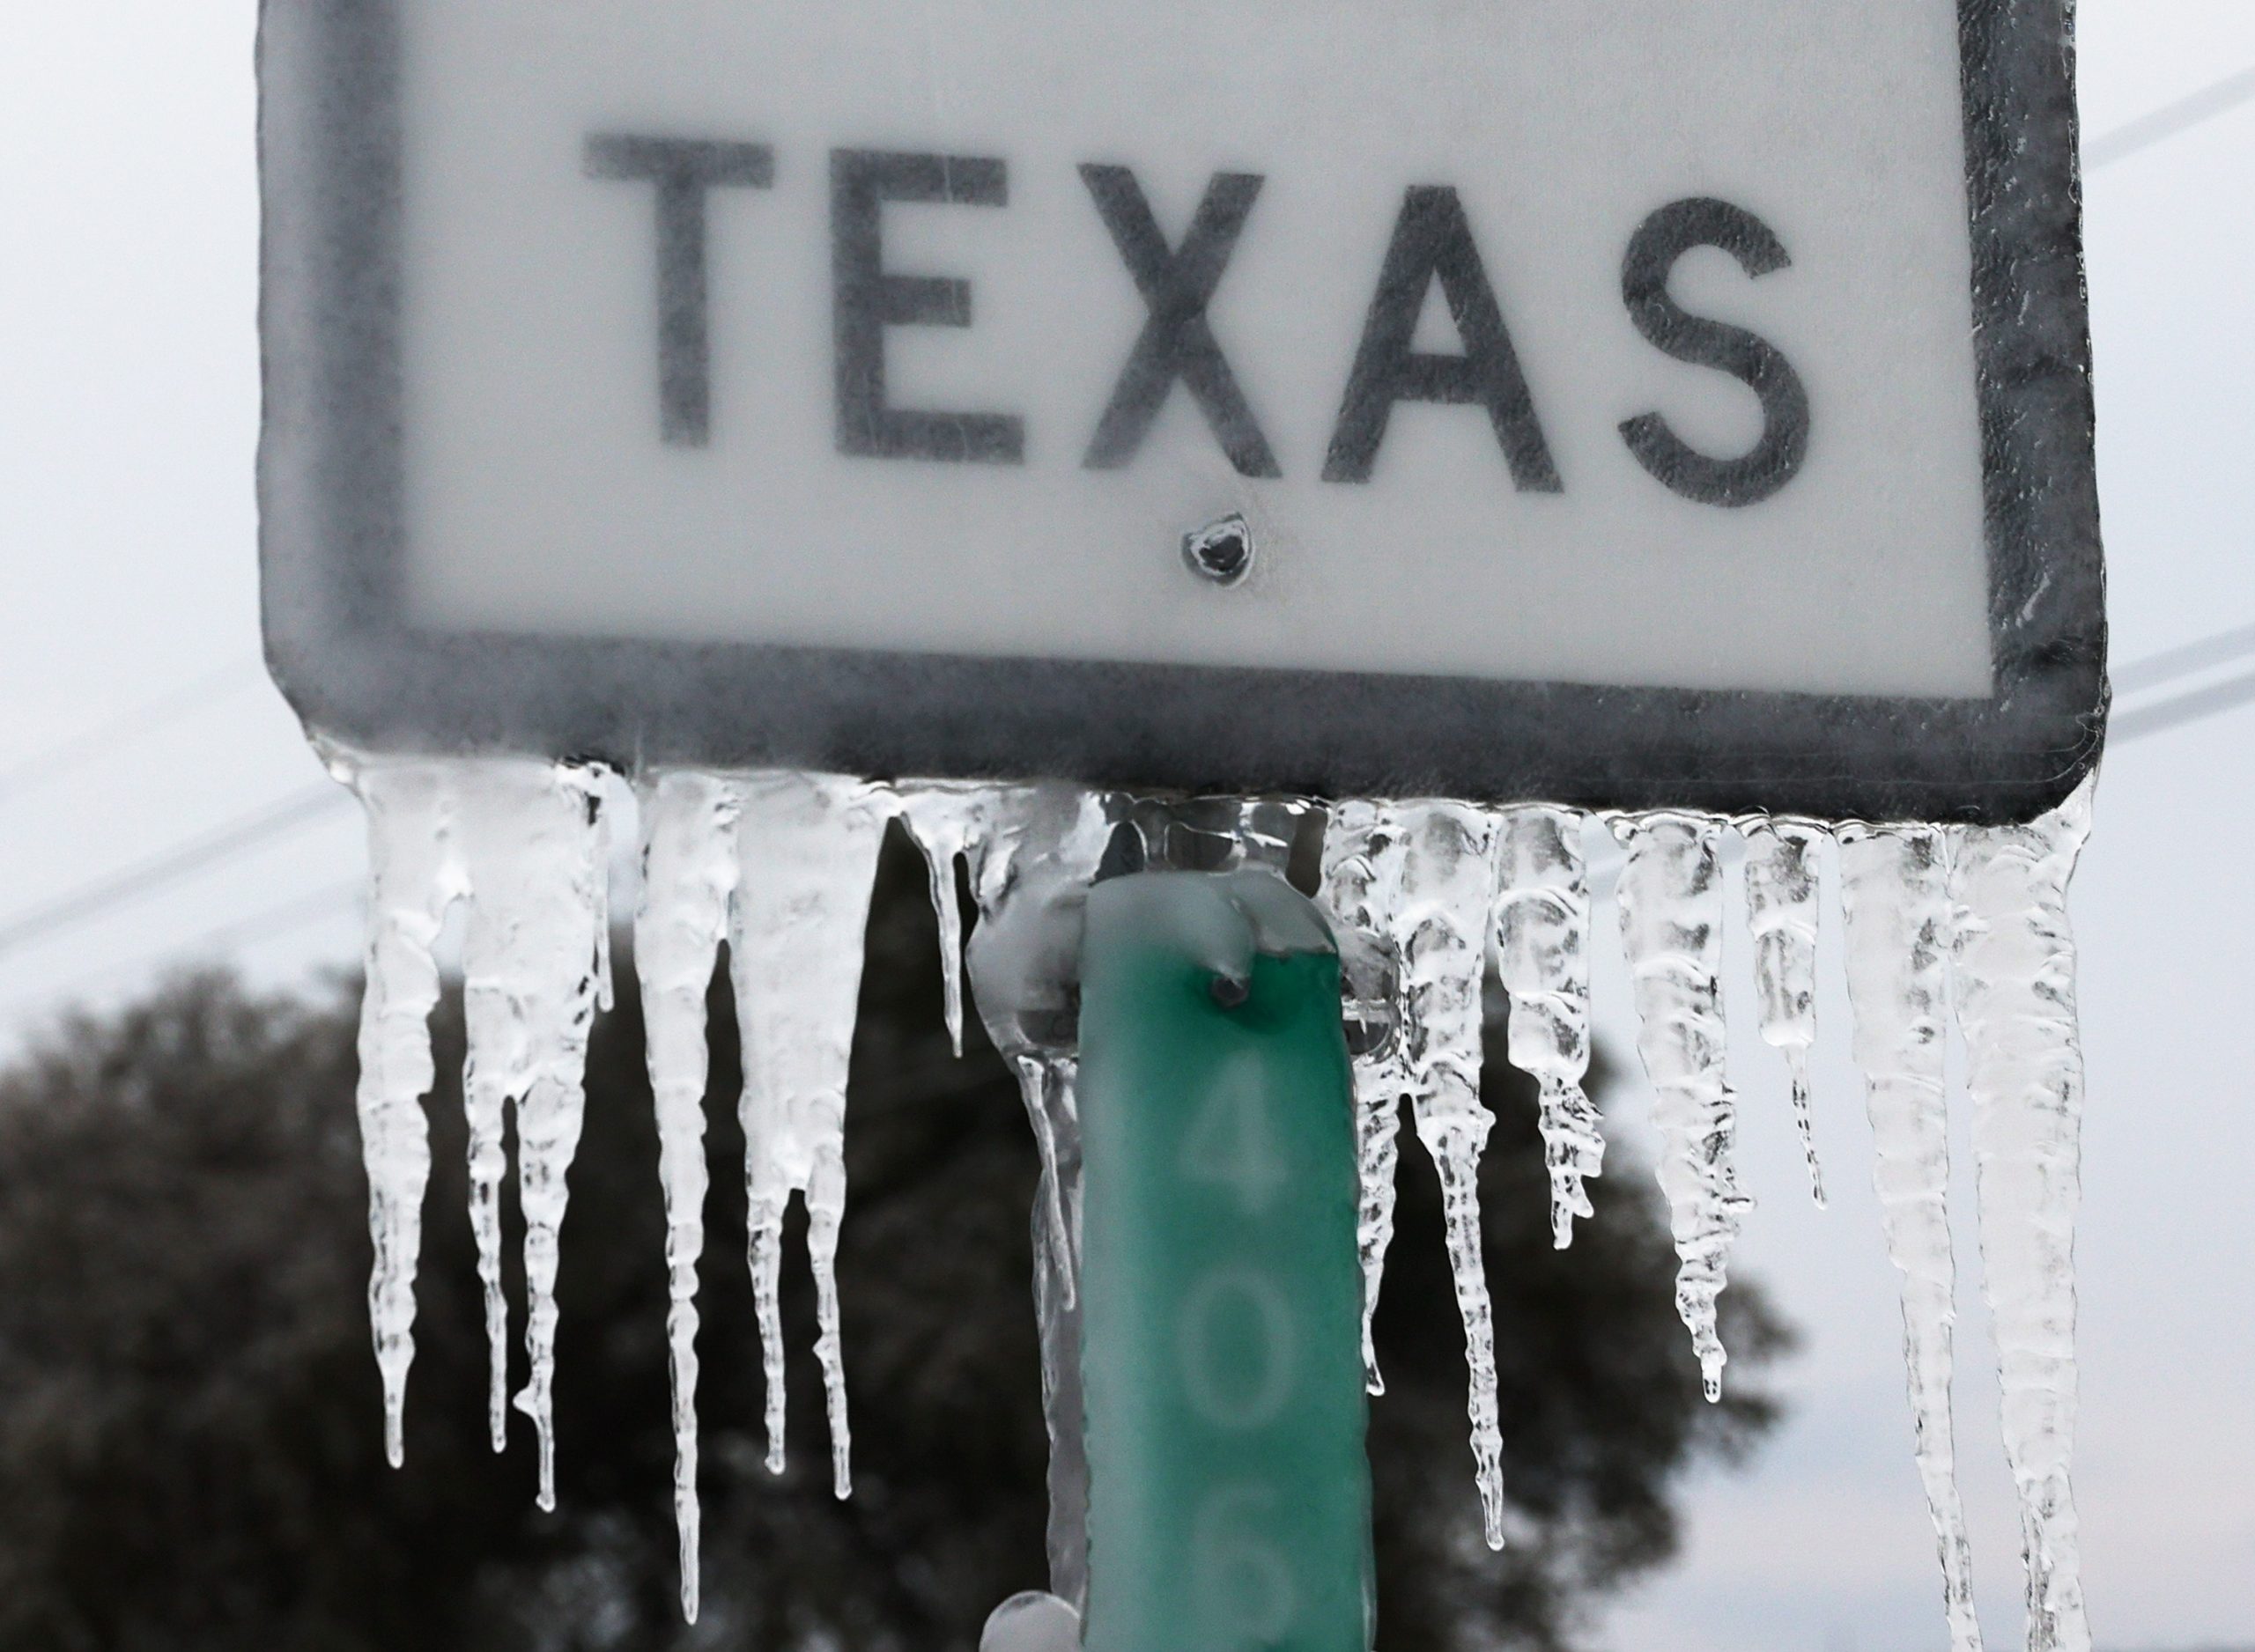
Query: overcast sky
x=139 y=721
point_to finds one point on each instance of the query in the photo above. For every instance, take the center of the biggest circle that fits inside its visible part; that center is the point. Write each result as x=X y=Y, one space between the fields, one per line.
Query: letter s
x=1775 y=459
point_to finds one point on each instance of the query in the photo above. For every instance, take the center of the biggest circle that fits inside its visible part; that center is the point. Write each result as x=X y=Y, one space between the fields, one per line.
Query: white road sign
x=1615 y=400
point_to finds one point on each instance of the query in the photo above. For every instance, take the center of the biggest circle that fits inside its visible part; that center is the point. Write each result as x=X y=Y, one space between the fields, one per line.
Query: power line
x=2182 y=660
x=2181 y=708
x=2154 y=670
x=2169 y=120
x=267 y=922
x=264 y=924
x=2122 y=727
x=62 y=757
x=103 y=895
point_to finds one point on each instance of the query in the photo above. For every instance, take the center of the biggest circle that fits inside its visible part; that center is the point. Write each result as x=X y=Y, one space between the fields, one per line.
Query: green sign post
x=1229 y=1488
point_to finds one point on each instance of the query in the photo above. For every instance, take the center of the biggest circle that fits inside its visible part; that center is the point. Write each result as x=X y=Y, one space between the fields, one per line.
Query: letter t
x=684 y=171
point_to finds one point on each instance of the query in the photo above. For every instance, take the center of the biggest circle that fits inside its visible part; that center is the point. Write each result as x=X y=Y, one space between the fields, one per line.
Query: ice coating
x=1355 y=845
x=1670 y=899
x=1541 y=955
x=1894 y=899
x=806 y=854
x=2015 y=998
x=1216 y=834
x=1427 y=895
x=414 y=875
x=689 y=877
x=1781 y=913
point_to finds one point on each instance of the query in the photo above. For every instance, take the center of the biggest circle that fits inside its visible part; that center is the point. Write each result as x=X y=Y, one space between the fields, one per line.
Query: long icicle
x=1448 y=888
x=415 y=875
x=534 y=843
x=807 y=850
x=494 y=1072
x=1031 y=858
x=1543 y=957
x=1049 y=1085
x=689 y=876
x=2016 y=995
x=1433 y=868
x=1781 y=913
x=1354 y=844
x=1895 y=897
x=1671 y=927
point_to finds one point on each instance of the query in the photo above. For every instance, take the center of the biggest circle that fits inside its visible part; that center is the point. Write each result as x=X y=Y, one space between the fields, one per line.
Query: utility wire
x=2169 y=120
x=264 y=924
x=2181 y=708
x=245 y=833
x=2156 y=670
x=2170 y=663
x=277 y=919
x=62 y=756
x=91 y=900
x=2151 y=672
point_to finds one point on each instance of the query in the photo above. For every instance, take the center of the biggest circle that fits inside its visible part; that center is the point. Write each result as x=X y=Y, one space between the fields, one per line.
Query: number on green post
x=1229 y=1488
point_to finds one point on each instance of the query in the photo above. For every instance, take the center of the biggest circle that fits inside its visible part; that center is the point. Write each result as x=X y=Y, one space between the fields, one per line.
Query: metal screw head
x=1220 y=551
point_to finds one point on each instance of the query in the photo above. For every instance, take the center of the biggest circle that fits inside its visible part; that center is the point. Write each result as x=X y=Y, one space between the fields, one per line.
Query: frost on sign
x=1623 y=403
x=1557 y=447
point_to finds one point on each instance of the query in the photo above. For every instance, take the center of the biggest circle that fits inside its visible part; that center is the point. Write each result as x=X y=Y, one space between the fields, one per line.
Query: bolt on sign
x=1614 y=401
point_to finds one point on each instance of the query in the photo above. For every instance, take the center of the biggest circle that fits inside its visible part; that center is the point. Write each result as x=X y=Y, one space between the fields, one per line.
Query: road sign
x=1614 y=402
x=1220 y=1297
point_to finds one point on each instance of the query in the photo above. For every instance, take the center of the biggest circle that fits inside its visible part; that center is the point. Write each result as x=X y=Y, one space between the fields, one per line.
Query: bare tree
x=190 y=1451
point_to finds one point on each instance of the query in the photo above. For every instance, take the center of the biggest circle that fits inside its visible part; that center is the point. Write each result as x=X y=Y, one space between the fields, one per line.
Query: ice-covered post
x=1221 y=1292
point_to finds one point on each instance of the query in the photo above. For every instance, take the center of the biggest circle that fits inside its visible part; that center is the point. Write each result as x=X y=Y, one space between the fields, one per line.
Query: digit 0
x=1230 y=1398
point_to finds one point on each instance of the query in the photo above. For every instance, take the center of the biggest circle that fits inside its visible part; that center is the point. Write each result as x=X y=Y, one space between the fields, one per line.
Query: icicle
x=1047 y=1090
x=688 y=875
x=1031 y=873
x=1031 y=867
x=487 y=1076
x=1781 y=911
x=1542 y=952
x=1047 y=1084
x=945 y=820
x=1671 y=927
x=1447 y=891
x=533 y=842
x=2016 y=995
x=1430 y=890
x=1895 y=896
x=807 y=850
x=606 y=984
x=414 y=876
x=1360 y=906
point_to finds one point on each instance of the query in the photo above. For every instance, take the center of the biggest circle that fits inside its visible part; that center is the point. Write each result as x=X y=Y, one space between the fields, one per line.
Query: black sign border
x=331 y=480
